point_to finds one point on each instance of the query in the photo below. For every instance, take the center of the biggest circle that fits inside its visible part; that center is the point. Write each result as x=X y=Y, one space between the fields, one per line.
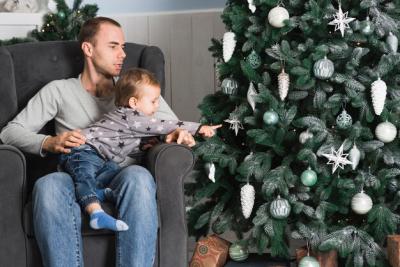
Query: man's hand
x=208 y=130
x=63 y=142
x=181 y=136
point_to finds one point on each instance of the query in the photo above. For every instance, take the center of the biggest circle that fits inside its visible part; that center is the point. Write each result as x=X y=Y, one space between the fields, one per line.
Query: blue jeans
x=89 y=171
x=57 y=219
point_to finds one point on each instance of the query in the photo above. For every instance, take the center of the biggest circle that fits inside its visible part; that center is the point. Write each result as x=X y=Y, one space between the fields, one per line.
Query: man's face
x=108 y=50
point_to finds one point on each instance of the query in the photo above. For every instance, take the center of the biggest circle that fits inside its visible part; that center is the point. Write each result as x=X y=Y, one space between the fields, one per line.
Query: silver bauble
x=323 y=68
x=280 y=208
x=367 y=27
x=304 y=136
x=308 y=261
x=361 y=203
x=344 y=120
x=386 y=132
x=277 y=16
x=229 y=86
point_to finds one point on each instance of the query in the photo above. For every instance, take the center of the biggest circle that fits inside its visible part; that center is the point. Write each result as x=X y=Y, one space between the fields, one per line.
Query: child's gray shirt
x=120 y=131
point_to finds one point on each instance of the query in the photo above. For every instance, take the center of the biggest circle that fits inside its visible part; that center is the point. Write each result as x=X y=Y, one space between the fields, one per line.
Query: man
x=75 y=103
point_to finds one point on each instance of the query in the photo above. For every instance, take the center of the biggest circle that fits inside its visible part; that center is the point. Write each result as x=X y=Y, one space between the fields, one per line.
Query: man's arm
x=22 y=131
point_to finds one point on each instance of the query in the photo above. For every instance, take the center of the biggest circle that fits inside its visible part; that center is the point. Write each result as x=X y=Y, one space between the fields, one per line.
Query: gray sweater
x=120 y=131
x=69 y=104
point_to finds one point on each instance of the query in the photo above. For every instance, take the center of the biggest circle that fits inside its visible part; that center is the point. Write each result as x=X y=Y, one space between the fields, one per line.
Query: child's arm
x=208 y=130
x=154 y=126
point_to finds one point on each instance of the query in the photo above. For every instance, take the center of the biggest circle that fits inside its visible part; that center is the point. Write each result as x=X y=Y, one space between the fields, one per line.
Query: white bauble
x=228 y=45
x=354 y=156
x=386 y=132
x=277 y=16
x=247 y=195
x=283 y=84
x=52 y=6
x=304 y=136
x=361 y=203
x=378 y=95
x=308 y=261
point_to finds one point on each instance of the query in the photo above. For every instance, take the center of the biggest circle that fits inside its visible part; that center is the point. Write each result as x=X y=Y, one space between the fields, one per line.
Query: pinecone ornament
x=228 y=43
x=283 y=84
x=354 y=156
x=252 y=7
x=378 y=95
x=247 y=195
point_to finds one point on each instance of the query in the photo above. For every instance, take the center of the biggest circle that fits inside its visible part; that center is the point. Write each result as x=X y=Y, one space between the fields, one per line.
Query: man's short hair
x=90 y=28
x=130 y=84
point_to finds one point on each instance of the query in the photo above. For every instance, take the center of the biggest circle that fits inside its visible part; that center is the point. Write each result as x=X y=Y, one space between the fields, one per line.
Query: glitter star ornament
x=337 y=158
x=341 y=21
x=234 y=122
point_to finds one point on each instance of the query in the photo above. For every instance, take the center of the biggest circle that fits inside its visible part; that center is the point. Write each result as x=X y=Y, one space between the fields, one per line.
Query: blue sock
x=101 y=220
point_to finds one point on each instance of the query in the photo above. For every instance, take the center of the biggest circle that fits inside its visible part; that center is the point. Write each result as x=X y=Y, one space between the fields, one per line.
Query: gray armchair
x=24 y=69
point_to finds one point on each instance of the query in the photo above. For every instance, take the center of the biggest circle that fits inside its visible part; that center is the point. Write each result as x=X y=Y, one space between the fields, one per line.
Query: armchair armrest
x=170 y=164
x=12 y=199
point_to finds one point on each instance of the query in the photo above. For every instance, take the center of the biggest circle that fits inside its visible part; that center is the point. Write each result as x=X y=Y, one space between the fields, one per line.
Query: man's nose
x=122 y=53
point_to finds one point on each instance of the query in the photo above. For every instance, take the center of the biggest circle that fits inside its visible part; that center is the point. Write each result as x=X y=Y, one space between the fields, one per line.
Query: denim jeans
x=89 y=171
x=57 y=219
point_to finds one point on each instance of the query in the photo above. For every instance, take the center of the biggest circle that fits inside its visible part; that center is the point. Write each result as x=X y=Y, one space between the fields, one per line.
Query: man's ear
x=132 y=102
x=87 y=49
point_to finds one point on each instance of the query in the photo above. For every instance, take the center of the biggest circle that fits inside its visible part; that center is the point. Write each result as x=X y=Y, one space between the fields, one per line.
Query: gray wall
x=184 y=40
x=107 y=7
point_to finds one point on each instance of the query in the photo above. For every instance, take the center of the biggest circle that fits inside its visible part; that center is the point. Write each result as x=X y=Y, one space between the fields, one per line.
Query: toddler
x=111 y=139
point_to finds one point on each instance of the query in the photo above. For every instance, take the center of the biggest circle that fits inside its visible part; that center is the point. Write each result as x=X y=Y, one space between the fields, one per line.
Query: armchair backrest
x=25 y=68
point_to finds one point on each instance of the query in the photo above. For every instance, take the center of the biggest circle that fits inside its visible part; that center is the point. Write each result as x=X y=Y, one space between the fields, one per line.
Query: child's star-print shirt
x=119 y=132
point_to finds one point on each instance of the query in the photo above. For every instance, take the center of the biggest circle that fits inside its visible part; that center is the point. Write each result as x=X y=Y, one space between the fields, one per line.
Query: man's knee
x=137 y=178
x=51 y=187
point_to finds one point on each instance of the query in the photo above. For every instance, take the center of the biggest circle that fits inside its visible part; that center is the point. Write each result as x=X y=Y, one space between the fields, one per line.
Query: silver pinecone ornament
x=210 y=168
x=251 y=93
x=247 y=195
x=283 y=84
x=354 y=156
x=252 y=7
x=229 y=43
x=392 y=42
x=378 y=95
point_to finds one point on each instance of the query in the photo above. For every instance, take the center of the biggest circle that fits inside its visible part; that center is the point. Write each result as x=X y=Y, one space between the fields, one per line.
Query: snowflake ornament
x=234 y=122
x=341 y=21
x=337 y=158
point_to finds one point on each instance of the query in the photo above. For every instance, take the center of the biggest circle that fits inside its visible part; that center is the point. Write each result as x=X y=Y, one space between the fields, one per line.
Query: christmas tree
x=62 y=24
x=65 y=22
x=309 y=99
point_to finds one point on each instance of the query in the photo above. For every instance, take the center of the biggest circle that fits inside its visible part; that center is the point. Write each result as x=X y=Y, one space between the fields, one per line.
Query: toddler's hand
x=208 y=131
